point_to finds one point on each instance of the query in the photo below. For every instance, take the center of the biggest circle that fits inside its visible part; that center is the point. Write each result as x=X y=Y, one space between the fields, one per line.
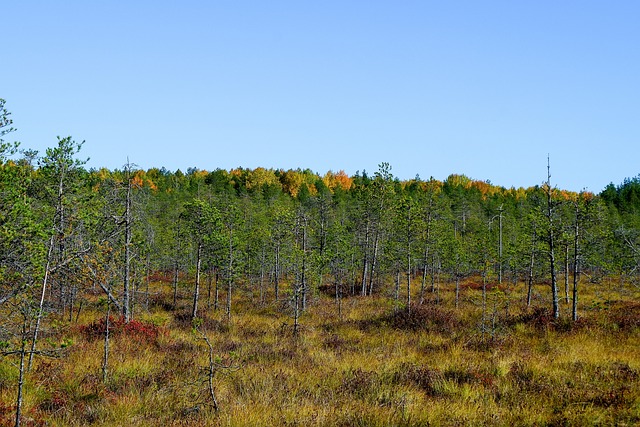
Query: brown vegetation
x=373 y=366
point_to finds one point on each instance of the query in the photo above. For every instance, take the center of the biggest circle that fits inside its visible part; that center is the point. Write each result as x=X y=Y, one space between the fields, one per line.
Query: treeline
x=288 y=235
x=292 y=234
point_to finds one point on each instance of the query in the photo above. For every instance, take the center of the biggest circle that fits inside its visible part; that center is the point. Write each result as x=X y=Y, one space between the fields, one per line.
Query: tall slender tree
x=551 y=241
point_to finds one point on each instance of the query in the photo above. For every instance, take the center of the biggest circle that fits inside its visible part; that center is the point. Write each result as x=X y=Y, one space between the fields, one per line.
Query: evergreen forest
x=288 y=297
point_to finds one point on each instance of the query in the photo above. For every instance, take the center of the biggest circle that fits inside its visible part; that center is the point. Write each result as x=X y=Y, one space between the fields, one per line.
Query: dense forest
x=86 y=254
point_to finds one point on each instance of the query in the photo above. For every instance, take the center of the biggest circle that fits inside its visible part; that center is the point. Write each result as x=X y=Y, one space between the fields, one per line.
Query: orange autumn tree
x=337 y=180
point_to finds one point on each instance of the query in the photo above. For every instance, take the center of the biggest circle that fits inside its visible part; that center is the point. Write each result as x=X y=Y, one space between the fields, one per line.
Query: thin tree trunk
x=211 y=371
x=484 y=303
x=437 y=280
x=531 y=265
x=304 y=265
x=262 y=265
x=339 y=296
x=433 y=273
x=353 y=274
x=457 y=289
x=576 y=270
x=396 y=295
x=209 y=286
x=425 y=268
x=72 y=296
x=566 y=273
x=551 y=243
x=365 y=261
x=374 y=261
x=196 y=291
x=423 y=284
x=409 y=269
x=216 y=298
x=41 y=305
x=230 y=274
x=148 y=282
x=276 y=273
x=296 y=309
x=23 y=351
x=126 y=303
x=175 y=284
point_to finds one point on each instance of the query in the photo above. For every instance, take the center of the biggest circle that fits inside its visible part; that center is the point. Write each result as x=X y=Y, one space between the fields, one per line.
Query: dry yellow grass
x=366 y=367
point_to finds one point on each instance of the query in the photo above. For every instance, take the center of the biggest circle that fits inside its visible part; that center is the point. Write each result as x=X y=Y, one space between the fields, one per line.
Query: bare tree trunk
x=230 y=274
x=365 y=261
x=23 y=352
x=425 y=269
x=437 y=284
x=209 y=286
x=41 y=306
x=296 y=308
x=196 y=291
x=147 y=284
x=531 y=265
x=551 y=243
x=374 y=261
x=353 y=273
x=566 y=273
x=339 y=296
x=576 y=261
x=409 y=267
x=175 y=284
x=554 y=280
x=216 y=298
x=457 y=289
x=426 y=257
x=59 y=232
x=276 y=272
x=304 y=265
x=73 y=289
x=500 y=245
x=423 y=284
x=396 y=295
x=210 y=371
x=484 y=303
x=433 y=273
x=126 y=303
x=262 y=265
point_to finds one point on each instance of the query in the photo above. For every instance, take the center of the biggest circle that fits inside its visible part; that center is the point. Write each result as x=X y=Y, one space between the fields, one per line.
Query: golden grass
x=366 y=367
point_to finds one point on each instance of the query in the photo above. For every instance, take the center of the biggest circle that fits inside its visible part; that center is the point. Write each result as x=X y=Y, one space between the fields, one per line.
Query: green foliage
x=6 y=148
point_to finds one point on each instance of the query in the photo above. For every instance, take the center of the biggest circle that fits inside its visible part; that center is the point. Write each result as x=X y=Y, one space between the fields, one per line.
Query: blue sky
x=481 y=88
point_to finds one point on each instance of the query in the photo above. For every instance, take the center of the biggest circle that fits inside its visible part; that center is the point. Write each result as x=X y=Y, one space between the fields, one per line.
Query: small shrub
x=423 y=377
x=183 y=320
x=336 y=343
x=540 y=317
x=135 y=329
x=461 y=375
x=56 y=402
x=360 y=382
x=626 y=316
x=433 y=318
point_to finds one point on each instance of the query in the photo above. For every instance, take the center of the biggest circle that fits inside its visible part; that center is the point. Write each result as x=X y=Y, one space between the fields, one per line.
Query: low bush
x=134 y=329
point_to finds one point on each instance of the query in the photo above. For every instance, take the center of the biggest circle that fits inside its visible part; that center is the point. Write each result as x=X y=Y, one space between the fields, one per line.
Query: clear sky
x=481 y=88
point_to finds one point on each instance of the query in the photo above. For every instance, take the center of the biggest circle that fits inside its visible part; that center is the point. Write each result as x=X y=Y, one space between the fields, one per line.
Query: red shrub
x=135 y=329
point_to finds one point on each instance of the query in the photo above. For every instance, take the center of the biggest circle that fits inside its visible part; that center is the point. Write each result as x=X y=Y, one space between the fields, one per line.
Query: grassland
x=361 y=365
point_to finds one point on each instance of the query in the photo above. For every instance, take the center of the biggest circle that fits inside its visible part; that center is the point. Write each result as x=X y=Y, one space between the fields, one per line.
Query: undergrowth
x=363 y=365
